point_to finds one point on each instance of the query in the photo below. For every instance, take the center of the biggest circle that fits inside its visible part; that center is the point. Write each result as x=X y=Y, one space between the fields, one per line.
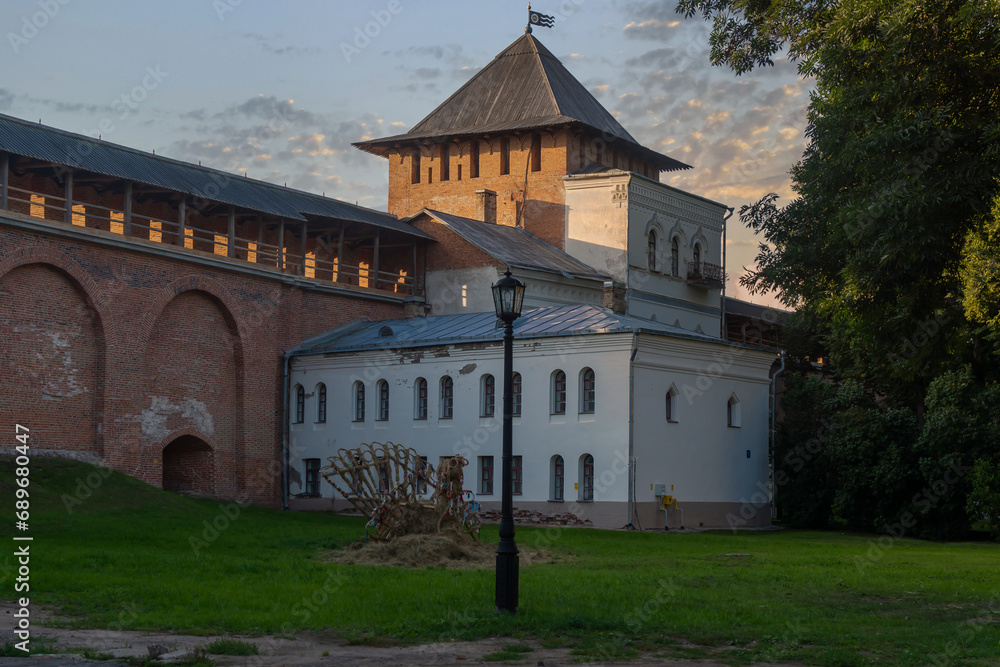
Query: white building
x=607 y=407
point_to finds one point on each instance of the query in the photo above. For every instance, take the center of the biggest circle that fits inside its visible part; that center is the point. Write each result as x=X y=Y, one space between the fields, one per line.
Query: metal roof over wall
x=59 y=147
x=514 y=246
x=479 y=327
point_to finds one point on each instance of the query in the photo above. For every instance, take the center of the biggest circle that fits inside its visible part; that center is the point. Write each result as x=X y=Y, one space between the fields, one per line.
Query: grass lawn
x=125 y=558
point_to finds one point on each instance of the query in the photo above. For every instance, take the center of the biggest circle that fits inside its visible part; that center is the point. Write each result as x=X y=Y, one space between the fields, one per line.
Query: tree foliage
x=889 y=251
x=902 y=164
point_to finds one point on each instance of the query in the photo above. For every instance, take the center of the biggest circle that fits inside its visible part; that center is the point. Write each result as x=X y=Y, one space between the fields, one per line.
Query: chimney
x=486 y=206
x=415 y=306
x=614 y=296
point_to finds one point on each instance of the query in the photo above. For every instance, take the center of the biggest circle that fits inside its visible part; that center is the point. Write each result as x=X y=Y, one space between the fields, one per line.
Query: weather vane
x=539 y=19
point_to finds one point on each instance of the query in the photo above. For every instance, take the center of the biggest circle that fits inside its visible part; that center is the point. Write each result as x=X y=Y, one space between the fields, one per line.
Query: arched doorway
x=188 y=466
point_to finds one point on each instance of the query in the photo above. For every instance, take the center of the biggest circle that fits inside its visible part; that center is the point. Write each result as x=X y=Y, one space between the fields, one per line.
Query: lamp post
x=508 y=294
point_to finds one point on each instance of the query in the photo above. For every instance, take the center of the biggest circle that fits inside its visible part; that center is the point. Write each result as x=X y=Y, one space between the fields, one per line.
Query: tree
x=980 y=275
x=902 y=165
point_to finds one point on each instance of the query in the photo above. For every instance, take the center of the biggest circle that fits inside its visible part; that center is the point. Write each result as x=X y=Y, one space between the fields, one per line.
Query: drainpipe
x=722 y=324
x=287 y=363
x=774 y=407
x=631 y=429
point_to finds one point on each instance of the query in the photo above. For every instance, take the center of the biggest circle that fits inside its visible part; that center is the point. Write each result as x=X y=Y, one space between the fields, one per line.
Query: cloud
x=266 y=44
x=6 y=99
x=274 y=140
x=655 y=29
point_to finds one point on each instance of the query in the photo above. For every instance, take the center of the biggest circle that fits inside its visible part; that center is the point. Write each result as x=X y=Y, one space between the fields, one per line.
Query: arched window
x=557 y=478
x=558 y=392
x=488 y=396
x=359 y=401
x=697 y=256
x=321 y=403
x=420 y=399
x=586 y=477
x=515 y=395
x=671 y=404
x=447 y=397
x=588 y=391
x=733 y=412
x=651 y=251
x=383 y=401
x=300 y=404
x=675 y=257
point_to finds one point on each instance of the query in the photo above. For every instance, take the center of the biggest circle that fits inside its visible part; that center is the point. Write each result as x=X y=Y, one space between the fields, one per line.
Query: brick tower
x=497 y=149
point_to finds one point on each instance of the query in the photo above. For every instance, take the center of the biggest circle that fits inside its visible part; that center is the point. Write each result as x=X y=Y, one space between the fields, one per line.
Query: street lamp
x=508 y=294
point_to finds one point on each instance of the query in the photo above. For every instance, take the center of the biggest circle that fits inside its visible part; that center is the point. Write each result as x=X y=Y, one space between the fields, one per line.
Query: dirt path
x=303 y=649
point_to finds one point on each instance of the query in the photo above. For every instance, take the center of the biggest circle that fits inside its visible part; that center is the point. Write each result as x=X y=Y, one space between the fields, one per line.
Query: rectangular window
x=515 y=395
x=486 y=475
x=445 y=156
x=459 y=171
x=415 y=168
x=430 y=174
x=558 y=478
x=312 y=476
x=505 y=156
x=422 y=475
x=536 y=152
x=588 y=478
x=474 y=159
x=515 y=476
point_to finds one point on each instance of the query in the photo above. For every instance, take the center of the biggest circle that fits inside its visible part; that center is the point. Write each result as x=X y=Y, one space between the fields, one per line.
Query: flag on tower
x=539 y=19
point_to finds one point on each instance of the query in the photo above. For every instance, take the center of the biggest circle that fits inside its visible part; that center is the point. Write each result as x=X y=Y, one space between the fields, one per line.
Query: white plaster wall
x=609 y=219
x=671 y=212
x=537 y=435
x=597 y=224
x=454 y=291
x=700 y=455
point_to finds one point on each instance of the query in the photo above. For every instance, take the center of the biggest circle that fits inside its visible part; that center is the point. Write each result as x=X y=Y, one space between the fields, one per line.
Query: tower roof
x=524 y=88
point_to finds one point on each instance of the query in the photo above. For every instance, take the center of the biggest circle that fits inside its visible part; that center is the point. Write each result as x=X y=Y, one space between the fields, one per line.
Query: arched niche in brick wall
x=192 y=381
x=51 y=357
x=189 y=466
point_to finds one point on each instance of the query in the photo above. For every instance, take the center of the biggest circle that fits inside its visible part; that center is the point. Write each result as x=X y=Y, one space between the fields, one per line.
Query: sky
x=280 y=89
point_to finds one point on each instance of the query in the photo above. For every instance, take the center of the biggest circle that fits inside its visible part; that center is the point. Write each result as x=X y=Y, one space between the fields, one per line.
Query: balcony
x=705 y=275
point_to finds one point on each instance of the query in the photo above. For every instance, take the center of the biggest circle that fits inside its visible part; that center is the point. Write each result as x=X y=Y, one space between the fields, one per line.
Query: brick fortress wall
x=142 y=359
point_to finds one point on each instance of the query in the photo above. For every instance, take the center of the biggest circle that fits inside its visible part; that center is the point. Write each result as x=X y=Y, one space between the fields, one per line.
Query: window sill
x=553 y=500
x=731 y=426
x=672 y=421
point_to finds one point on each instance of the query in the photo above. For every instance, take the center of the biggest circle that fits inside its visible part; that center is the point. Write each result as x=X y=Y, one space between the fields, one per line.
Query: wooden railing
x=222 y=244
